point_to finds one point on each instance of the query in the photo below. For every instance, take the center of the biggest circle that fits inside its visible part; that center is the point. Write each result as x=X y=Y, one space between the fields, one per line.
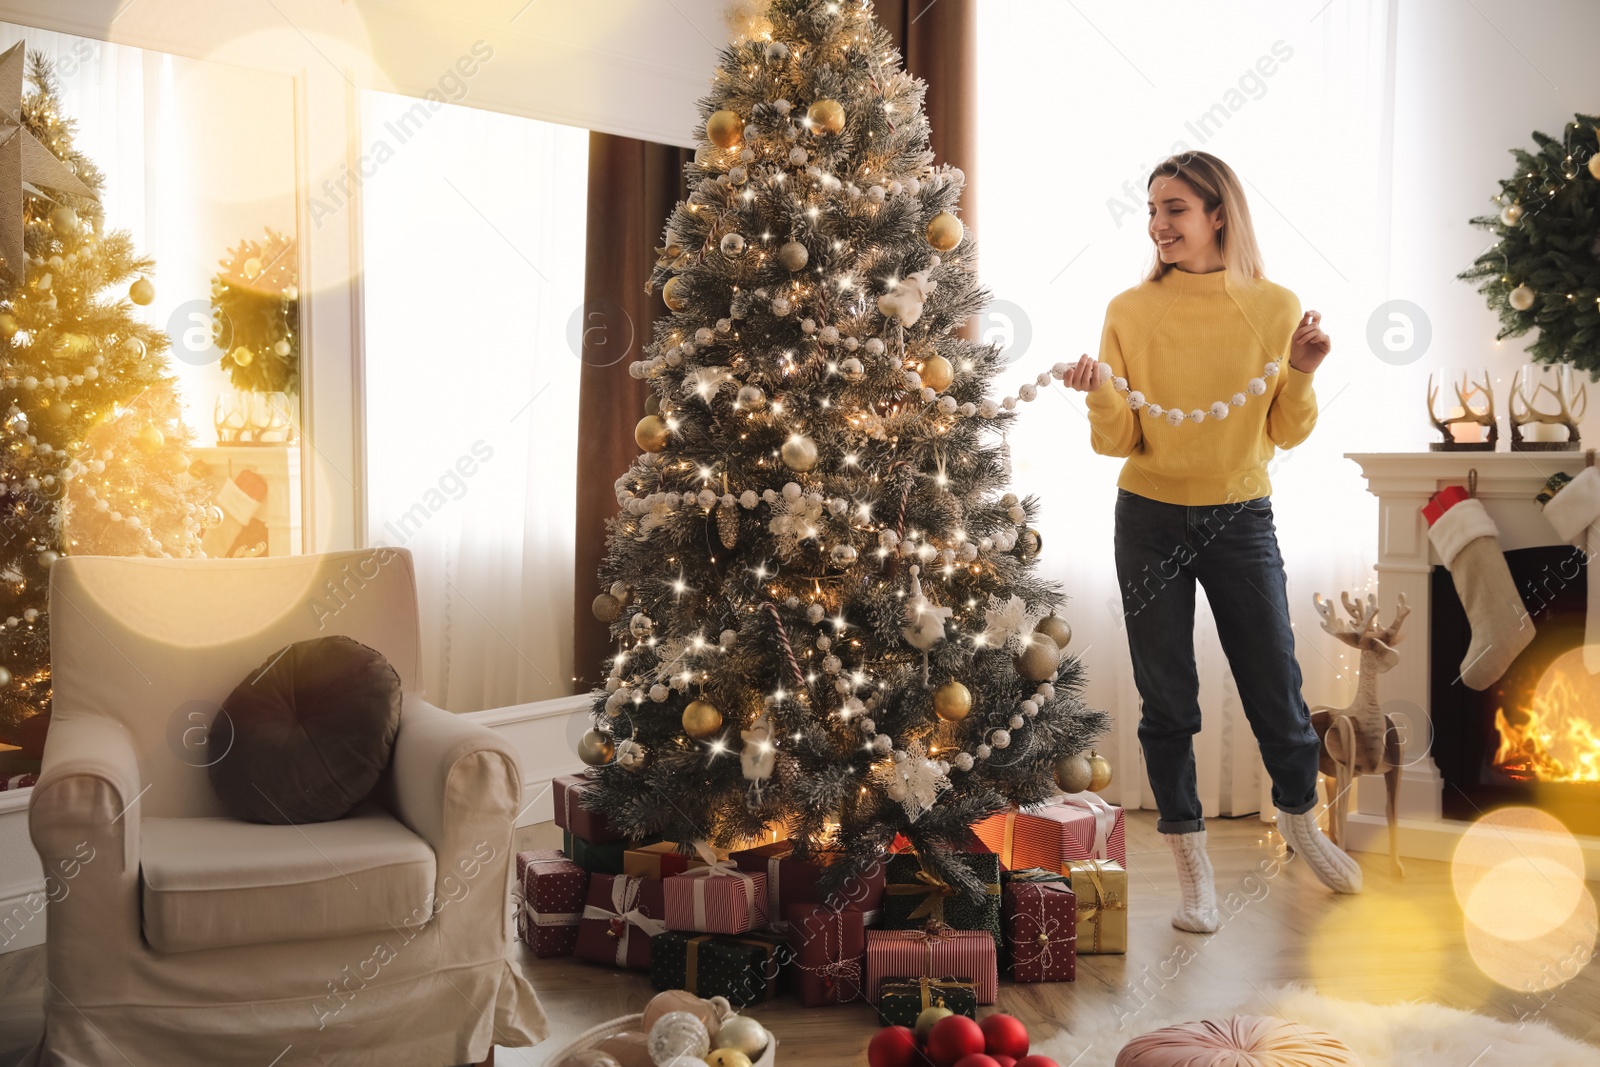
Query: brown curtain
x=633 y=187
x=939 y=42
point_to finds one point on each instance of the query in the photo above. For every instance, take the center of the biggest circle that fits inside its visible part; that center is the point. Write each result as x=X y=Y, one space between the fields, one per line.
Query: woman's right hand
x=1084 y=375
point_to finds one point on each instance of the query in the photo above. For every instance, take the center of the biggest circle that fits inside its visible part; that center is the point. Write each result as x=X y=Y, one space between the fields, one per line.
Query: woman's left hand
x=1309 y=346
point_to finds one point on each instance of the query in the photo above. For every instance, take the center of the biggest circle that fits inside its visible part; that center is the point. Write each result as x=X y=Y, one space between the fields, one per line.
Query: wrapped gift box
x=717 y=899
x=1101 y=888
x=901 y=1000
x=1076 y=827
x=606 y=857
x=620 y=917
x=967 y=955
x=792 y=881
x=743 y=969
x=568 y=792
x=1041 y=918
x=830 y=948
x=915 y=897
x=554 y=892
x=659 y=860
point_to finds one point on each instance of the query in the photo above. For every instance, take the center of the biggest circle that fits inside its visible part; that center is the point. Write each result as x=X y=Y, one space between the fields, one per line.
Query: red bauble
x=977 y=1059
x=893 y=1046
x=952 y=1038
x=1005 y=1035
x=1037 y=1061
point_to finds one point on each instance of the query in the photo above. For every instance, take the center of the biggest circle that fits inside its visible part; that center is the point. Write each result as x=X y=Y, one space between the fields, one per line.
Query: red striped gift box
x=967 y=955
x=553 y=891
x=1069 y=828
x=717 y=899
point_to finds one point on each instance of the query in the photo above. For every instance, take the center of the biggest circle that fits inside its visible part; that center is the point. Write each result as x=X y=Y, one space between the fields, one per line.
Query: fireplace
x=1533 y=737
x=1450 y=780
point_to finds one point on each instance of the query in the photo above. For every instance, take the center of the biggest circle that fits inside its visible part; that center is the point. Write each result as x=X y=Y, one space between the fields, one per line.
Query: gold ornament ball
x=952 y=701
x=596 y=748
x=652 y=433
x=1029 y=543
x=799 y=453
x=178 y=463
x=64 y=221
x=1038 y=659
x=827 y=116
x=945 y=231
x=937 y=373
x=1056 y=629
x=743 y=1033
x=5 y=677
x=793 y=255
x=1521 y=298
x=724 y=128
x=1073 y=773
x=728 y=1057
x=8 y=326
x=1099 y=771
x=701 y=719
x=652 y=404
x=1594 y=166
x=142 y=292
x=242 y=356
x=606 y=607
x=1511 y=214
x=151 y=439
x=673 y=293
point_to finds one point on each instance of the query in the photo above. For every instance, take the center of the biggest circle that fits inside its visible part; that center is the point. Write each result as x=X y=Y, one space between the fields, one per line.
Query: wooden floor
x=1399 y=940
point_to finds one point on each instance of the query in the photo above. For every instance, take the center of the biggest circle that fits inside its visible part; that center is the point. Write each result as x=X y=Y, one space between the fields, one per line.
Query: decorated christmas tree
x=91 y=439
x=825 y=602
x=255 y=315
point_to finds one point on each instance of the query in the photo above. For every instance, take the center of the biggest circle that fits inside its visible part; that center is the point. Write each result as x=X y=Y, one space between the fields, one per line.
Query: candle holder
x=1474 y=406
x=1528 y=426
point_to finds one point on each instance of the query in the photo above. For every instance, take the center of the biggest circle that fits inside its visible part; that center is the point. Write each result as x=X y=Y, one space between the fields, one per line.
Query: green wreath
x=1544 y=269
x=256 y=315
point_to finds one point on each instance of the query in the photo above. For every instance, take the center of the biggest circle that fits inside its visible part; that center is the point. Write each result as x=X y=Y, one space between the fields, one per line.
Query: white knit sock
x=1327 y=860
x=1196 y=883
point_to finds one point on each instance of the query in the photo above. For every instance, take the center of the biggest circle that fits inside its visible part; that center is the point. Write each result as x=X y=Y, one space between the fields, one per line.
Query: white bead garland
x=1175 y=416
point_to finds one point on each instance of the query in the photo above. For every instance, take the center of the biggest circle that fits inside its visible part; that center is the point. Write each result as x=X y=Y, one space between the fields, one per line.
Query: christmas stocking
x=1574 y=511
x=1468 y=542
x=240 y=533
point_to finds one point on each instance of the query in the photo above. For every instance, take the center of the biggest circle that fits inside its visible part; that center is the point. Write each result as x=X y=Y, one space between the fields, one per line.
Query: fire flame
x=1553 y=738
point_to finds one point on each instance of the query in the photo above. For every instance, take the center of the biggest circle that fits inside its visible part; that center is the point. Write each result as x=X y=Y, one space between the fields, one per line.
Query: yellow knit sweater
x=1187 y=341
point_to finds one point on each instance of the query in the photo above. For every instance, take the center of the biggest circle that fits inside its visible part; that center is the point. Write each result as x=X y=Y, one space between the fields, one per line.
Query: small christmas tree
x=91 y=436
x=825 y=603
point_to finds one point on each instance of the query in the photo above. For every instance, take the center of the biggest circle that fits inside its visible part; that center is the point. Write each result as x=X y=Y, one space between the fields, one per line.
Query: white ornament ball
x=743 y=1034
x=1255 y=386
x=678 y=1033
x=1016 y=721
x=882 y=744
x=1000 y=738
x=1219 y=410
x=1270 y=370
x=659 y=692
x=984 y=751
x=748 y=499
x=1136 y=400
x=1174 y=417
x=1028 y=392
x=1197 y=415
x=948 y=405
x=1155 y=411
x=1521 y=298
x=1511 y=214
x=1238 y=400
x=703 y=335
x=874 y=346
x=963 y=761
x=732 y=244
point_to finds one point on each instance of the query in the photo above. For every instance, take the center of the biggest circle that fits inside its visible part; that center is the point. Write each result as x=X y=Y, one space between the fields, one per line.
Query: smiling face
x=1185 y=234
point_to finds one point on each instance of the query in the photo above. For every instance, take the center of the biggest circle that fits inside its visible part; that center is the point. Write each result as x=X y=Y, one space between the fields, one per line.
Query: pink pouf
x=1243 y=1041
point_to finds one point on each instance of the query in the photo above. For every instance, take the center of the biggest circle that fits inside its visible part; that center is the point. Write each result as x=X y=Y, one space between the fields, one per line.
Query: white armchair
x=178 y=935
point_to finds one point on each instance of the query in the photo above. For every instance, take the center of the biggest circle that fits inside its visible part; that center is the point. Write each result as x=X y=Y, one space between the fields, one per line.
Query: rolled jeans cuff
x=1187 y=826
x=1297 y=809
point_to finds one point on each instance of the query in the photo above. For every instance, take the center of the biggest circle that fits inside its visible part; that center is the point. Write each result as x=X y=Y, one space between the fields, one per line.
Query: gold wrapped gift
x=1101 y=887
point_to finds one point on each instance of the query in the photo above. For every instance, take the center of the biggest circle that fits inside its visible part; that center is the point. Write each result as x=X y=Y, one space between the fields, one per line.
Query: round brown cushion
x=306 y=736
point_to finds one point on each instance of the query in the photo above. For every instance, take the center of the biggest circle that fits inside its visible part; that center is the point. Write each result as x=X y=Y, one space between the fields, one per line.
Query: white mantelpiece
x=1403 y=482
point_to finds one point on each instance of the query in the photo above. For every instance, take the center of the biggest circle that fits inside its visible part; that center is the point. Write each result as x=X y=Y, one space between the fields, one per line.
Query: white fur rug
x=1396 y=1035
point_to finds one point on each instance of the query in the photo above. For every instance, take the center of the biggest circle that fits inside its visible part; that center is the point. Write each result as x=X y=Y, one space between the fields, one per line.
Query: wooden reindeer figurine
x=1361 y=739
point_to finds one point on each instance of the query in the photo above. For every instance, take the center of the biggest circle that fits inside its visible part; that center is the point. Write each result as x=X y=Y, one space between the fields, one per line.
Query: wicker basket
x=591 y=1038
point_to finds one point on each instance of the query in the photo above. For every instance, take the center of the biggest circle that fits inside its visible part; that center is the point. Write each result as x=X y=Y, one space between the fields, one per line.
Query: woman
x=1192 y=388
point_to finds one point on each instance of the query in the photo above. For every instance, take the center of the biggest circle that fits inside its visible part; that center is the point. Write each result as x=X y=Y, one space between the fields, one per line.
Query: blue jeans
x=1232 y=549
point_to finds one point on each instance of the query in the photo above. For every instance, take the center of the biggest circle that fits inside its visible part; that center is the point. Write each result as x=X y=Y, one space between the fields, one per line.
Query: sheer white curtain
x=473 y=243
x=1078 y=102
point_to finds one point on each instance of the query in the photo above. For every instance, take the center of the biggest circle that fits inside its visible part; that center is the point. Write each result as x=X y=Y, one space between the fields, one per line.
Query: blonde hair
x=1215 y=183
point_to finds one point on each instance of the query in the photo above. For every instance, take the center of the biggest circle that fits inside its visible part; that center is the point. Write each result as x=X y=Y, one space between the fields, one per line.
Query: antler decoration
x=1571 y=404
x=1465 y=390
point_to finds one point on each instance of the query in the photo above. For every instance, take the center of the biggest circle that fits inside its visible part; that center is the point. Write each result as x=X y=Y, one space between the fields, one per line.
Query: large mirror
x=150 y=325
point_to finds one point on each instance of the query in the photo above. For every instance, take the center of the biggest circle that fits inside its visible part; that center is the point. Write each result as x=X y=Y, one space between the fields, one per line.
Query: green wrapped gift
x=901 y=1000
x=744 y=969
x=915 y=897
x=595 y=858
